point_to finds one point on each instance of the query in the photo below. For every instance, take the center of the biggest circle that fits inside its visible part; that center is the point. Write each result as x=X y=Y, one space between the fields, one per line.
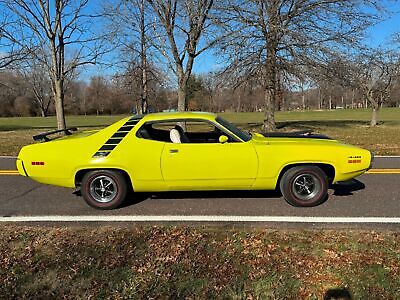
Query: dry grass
x=382 y=140
x=189 y=263
x=12 y=141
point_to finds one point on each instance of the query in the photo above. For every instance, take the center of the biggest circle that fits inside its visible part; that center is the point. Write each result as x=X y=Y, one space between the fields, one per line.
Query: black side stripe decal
x=101 y=153
x=107 y=147
x=116 y=138
x=131 y=122
x=125 y=128
x=119 y=135
x=112 y=141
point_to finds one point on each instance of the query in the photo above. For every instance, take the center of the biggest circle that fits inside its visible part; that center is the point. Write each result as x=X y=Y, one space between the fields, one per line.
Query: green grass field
x=350 y=126
x=390 y=116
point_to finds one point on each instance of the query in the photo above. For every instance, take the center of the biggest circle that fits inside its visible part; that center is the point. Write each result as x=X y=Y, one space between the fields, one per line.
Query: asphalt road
x=371 y=195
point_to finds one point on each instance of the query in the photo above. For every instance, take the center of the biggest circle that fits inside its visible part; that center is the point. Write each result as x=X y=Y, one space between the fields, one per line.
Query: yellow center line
x=383 y=171
x=9 y=172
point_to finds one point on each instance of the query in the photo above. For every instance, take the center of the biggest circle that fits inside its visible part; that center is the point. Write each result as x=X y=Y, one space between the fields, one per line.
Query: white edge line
x=210 y=218
x=10 y=157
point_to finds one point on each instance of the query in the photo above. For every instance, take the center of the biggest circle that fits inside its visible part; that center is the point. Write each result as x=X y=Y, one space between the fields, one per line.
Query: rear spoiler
x=43 y=136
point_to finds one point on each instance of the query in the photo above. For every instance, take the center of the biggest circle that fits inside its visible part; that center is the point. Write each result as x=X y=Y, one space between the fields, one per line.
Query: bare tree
x=130 y=81
x=13 y=52
x=374 y=73
x=97 y=95
x=183 y=24
x=269 y=39
x=12 y=86
x=131 y=25
x=49 y=28
x=37 y=78
x=143 y=57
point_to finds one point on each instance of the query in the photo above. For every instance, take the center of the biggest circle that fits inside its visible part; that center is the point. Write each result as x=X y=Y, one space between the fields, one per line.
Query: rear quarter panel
x=63 y=157
x=274 y=156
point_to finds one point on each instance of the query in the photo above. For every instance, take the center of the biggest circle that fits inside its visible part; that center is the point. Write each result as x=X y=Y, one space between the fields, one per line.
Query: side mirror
x=223 y=139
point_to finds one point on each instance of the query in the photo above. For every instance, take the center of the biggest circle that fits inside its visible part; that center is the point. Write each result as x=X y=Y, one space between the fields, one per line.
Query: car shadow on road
x=340 y=189
x=346 y=188
x=135 y=198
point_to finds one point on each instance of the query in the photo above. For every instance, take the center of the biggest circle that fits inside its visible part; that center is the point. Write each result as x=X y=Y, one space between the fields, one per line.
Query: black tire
x=104 y=189
x=304 y=186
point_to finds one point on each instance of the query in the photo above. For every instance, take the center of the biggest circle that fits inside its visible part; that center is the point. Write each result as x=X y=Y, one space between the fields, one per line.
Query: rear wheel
x=304 y=186
x=104 y=189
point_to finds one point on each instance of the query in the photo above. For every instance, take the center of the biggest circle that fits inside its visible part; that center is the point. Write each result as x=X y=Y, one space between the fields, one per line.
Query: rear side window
x=156 y=131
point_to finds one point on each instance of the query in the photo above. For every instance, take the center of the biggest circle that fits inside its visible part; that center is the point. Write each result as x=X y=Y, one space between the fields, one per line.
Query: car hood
x=293 y=137
x=297 y=134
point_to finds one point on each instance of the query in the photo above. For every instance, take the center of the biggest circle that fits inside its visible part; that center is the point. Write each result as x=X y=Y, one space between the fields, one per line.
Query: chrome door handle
x=173 y=150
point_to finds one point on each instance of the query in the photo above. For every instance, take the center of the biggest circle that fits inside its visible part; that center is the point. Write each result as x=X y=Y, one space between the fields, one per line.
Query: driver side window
x=200 y=132
x=182 y=131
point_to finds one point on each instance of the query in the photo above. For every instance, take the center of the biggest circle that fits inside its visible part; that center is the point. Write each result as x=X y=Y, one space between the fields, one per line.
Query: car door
x=203 y=164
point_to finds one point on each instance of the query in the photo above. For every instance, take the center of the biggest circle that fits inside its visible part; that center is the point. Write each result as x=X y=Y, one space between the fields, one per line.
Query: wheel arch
x=328 y=169
x=81 y=173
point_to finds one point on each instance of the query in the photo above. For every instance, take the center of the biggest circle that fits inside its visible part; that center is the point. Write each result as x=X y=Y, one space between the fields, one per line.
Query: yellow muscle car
x=188 y=151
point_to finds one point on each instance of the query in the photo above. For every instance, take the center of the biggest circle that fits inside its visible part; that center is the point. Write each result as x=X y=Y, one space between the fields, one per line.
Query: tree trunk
x=143 y=54
x=374 y=118
x=320 y=104
x=269 y=117
x=239 y=104
x=57 y=75
x=271 y=68
x=143 y=102
x=374 y=106
x=270 y=89
x=279 y=95
x=45 y=108
x=59 y=104
x=352 y=99
x=182 y=105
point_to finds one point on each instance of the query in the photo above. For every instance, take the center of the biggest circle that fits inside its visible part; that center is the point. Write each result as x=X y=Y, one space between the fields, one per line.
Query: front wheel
x=104 y=189
x=304 y=186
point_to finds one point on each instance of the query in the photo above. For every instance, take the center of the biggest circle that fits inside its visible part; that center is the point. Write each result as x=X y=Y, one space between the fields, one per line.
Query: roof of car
x=180 y=115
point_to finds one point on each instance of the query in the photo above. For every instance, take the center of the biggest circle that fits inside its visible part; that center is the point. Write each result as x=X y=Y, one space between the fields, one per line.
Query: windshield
x=232 y=128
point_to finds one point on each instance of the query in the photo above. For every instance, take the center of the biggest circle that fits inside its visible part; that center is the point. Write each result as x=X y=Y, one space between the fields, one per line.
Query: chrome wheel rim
x=103 y=189
x=306 y=186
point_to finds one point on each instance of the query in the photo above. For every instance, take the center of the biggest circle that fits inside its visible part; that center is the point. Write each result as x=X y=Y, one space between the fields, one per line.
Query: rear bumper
x=21 y=168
